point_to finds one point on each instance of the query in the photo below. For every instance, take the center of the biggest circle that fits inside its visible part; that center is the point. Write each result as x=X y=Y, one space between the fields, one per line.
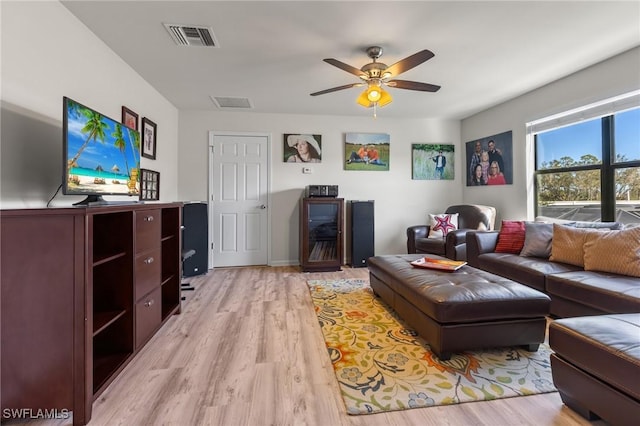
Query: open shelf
x=104 y=367
x=102 y=320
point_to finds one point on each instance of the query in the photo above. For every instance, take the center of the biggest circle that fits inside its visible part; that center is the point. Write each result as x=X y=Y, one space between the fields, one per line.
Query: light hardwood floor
x=247 y=350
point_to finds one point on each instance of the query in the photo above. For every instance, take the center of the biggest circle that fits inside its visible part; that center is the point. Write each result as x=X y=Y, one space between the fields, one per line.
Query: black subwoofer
x=361 y=232
x=195 y=237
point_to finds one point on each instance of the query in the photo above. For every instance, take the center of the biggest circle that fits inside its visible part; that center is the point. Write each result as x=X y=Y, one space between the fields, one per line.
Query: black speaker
x=195 y=236
x=362 y=239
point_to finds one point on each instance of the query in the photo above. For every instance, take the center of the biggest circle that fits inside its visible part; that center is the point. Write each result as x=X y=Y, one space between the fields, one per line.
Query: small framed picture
x=149 y=137
x=149 y=185
x=129 y=118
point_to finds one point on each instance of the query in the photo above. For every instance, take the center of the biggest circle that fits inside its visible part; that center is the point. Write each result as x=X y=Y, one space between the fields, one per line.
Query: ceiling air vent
x=231 y=103
x=190 y=35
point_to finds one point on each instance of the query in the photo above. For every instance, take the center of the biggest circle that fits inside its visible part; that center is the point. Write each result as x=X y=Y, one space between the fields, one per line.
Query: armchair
x=471 y=217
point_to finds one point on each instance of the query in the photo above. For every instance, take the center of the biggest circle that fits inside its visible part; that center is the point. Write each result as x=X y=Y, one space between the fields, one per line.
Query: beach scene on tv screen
x=102 y=154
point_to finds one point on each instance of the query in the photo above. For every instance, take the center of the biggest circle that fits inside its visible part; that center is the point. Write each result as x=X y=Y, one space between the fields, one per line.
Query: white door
x=238 y=198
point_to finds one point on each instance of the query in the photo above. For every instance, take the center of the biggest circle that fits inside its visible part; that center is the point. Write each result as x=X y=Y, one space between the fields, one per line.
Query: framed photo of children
x=367 y=151
x=149 y=138
x=432 y=161
x=490 y=160
x=149 y=185
x=301 y=148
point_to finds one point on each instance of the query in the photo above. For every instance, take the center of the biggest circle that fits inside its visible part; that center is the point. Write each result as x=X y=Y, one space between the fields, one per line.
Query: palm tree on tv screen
x=120 y=143
x=94 y=128
x=134 y=140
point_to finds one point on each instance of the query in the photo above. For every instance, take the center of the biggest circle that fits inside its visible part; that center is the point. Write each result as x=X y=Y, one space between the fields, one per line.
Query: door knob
x=263 y=207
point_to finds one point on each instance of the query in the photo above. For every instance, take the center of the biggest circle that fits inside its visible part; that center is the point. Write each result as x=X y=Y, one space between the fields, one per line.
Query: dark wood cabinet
x=321 y=236
x=83 y=289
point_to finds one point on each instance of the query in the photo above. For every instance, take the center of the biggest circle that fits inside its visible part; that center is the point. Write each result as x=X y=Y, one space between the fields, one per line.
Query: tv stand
x=92 y=200
x=98 y=201
x=83 y=290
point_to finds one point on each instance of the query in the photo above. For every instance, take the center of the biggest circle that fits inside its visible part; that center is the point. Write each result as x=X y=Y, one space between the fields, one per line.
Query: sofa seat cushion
x=530 y=271
x=468 y=295
x=605 y=346
x=603 y=291
x=431 y=245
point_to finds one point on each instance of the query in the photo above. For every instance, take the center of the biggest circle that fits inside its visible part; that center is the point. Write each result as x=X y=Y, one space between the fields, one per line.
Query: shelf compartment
x=113 y=284
x=111 y=348
x=108 y=258
x=102 y=320
x=105 y=366
x=112 y=235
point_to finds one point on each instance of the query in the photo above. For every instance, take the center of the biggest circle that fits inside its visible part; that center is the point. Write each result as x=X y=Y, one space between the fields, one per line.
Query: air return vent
x=231 y=103
x=190 y=35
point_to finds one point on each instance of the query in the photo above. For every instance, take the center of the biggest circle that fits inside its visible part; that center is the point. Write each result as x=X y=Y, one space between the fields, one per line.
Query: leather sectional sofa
x=573 y=291
x=596 y=340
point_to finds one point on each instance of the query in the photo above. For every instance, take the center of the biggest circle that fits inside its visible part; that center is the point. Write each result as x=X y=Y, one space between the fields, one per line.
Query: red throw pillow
x=511 y=237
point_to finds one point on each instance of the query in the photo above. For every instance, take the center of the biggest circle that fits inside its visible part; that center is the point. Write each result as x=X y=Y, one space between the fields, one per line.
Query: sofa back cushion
x=567 y=245
x=537 y=239
x=613 y=251
x=511 y=237
x=581 y=223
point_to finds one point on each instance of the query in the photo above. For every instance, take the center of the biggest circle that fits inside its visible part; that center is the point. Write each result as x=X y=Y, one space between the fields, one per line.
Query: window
x=587 y=163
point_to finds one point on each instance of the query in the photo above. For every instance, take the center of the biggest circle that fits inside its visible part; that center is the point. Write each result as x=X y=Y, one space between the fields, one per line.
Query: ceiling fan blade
x=335 y=89
x=410 y=62
x=345 y=67
x=413 y=85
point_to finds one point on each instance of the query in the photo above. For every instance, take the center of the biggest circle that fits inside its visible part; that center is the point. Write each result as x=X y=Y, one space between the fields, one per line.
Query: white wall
x=399 y=200
x=612 y=77
x=63 y=58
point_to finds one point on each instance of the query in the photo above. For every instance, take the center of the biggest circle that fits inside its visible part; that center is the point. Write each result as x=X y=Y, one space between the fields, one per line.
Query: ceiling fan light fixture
x=385 y=98
x=363 y=100
x=374 y=93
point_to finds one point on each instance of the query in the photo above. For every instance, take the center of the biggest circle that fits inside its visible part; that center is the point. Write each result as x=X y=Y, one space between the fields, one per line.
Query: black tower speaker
x=194 y=237
x=362 y=239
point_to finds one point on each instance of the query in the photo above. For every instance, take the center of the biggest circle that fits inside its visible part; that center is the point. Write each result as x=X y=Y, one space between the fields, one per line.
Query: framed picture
x=129 y=118
x=366 y=151
x=149 y=185
x=432 y=161
x=149 y=137
x=490 y=160
x=300 y=148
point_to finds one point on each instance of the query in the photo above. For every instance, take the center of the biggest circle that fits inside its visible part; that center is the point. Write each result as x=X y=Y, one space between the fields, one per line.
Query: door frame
x=210 y=186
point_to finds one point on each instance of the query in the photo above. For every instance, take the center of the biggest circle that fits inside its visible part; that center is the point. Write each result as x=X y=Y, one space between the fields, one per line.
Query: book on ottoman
x=441 y=264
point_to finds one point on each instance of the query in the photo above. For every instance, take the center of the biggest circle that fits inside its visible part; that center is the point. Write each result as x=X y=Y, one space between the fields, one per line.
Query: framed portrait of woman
x=302 y=148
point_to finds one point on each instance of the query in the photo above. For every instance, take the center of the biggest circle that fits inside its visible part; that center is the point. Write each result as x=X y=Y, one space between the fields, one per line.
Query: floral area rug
x=383 y=365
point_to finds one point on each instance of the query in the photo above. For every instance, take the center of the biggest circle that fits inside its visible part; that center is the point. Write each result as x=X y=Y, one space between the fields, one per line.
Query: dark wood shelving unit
x=321 y=236
x=101 y=281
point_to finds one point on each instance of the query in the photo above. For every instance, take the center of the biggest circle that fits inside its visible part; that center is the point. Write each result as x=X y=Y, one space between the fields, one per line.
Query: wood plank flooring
x=247 y=350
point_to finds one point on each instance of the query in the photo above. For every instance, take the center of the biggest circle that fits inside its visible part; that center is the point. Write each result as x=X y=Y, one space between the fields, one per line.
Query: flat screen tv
x=101 y=155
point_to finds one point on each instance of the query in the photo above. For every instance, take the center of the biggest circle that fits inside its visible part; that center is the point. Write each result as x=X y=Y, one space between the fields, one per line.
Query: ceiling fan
x=375 y=75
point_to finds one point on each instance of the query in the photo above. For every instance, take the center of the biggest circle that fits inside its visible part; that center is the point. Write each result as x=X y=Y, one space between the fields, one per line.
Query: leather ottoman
x=596 y=366
x=461 y=310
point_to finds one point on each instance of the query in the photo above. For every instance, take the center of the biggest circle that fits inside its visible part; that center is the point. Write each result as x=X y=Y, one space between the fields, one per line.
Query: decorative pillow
x=511 y=237
x=441 y=224
x=567 y=245
x=537 y=239
x=613 y=251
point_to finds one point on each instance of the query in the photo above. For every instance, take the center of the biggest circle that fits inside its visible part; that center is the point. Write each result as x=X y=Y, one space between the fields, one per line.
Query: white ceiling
x=271 y=52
